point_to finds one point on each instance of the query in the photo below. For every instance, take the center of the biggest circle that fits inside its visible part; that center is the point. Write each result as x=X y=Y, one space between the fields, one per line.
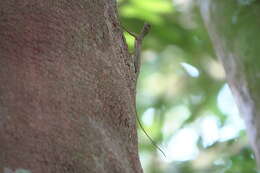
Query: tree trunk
x=67 y=93
x=233 y=26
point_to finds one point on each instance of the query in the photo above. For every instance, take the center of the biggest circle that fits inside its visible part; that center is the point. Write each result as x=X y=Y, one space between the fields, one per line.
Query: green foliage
x=181 y=92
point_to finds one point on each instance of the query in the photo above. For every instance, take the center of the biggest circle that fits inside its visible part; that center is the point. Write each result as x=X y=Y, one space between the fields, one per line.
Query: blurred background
x=183 y=100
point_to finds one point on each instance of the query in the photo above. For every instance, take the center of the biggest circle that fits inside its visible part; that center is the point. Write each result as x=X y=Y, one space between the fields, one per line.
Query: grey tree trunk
x=233 y=26
x=67 y=99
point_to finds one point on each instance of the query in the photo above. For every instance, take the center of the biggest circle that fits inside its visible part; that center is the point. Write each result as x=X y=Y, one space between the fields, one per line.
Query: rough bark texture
x=233 y=26
x=66 y=89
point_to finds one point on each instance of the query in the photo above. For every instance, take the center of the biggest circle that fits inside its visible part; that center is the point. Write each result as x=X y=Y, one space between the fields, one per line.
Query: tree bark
x=67 y=92
x=233 y=26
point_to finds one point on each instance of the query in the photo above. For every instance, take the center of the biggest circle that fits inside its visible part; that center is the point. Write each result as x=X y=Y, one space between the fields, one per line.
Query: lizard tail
x=152 y=141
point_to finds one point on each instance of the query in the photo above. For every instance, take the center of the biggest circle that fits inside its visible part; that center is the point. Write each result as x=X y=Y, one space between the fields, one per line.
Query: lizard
x=136 y=55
